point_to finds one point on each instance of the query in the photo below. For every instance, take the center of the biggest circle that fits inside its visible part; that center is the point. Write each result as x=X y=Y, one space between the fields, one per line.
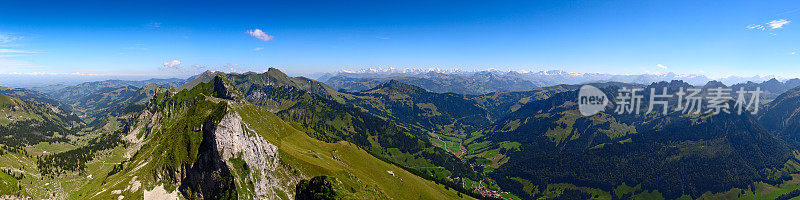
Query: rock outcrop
x=235 y=140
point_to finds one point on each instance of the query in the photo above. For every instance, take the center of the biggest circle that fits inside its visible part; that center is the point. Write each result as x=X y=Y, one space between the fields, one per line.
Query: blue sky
x=142 y=38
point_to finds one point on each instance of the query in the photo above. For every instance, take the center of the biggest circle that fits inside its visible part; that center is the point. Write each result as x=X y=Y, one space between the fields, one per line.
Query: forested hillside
x=553 y=143
x=25 y=123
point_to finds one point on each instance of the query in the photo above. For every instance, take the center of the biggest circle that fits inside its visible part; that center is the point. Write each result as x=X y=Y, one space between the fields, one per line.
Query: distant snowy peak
x=549 y=77
x=555 y=73
x=393 y=70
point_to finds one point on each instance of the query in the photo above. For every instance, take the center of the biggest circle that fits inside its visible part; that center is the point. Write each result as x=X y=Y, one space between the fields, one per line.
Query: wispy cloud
x=8 y=54
x=174 y=64
x=770 y=26
x=7 y=66
x=258 y=33
x=756 y=26
x=661 y=66
x=16 y=51
x=258 y=49
x=198 y=66
x=154 y=25
x=8 y=38
x=775 y=24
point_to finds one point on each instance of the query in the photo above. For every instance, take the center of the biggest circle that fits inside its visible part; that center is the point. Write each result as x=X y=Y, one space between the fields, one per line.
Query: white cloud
x=775 y=24
x=198 y=66
x=661 y=66
x=174 y=64
x=257 y=33
x=258 y=49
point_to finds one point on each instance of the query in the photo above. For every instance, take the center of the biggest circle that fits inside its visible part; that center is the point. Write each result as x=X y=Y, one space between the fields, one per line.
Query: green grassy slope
x=9 y=185
x=172 y=147
x=329 y=120
x=356 y=169
x=373 y=120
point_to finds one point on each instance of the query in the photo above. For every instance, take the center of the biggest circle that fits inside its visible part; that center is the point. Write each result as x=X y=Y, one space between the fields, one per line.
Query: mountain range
x=483 y=82
x=431 y=135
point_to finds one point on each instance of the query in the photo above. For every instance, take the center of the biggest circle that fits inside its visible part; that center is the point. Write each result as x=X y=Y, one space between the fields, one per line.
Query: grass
x=50 y=148
x=65 y=185
x=351 y=166
x=451 y=144
x=241 y=170
x=8 y=185
x=39 y=187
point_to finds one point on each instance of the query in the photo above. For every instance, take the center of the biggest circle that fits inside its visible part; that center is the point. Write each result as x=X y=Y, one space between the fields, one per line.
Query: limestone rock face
x=235 y=140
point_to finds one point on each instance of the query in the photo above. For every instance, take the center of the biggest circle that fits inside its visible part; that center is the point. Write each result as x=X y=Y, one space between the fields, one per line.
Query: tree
x=318 y=188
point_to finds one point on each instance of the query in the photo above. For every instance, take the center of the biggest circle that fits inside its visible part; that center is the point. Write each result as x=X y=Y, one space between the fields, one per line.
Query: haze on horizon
x=85 y=40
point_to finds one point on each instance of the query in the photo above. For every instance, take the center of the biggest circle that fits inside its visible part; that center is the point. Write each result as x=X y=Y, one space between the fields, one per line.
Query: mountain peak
x=773 y=80
x=151 y=87
x=222 y=88
x=278 y=77
x=275 y=71
x=394 y=82
x=714 y=84
x=671 y=86
x=395 y=86
x=205 y=77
